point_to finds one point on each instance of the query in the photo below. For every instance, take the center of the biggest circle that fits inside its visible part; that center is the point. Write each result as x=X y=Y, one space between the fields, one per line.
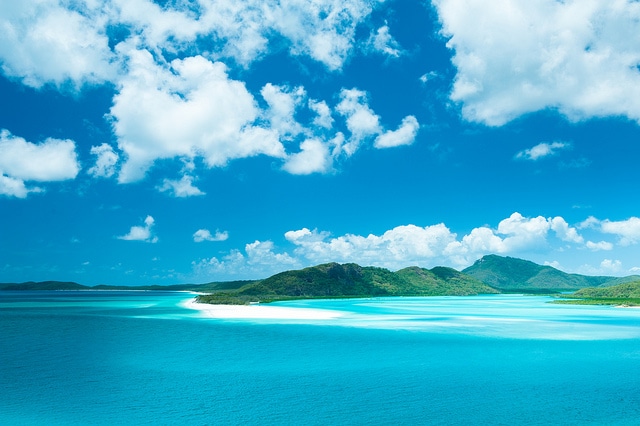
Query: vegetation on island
x=627 y=294
x=489 y=275
x=333 y=280
x=509 y=274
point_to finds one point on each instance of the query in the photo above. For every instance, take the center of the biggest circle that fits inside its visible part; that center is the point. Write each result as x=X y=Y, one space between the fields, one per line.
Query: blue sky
x=193 y=141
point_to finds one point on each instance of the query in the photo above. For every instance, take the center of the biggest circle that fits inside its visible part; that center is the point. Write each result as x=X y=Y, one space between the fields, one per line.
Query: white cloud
x=106 y=160
x=192 y=109
x=259 y=261
x=323 y=30
x=362 y=122
x=628 y=230
x=611 y=266
x=21 y=161
x=314 y=156
x=541 y=150
x=323 y=117
x=412 y=245
x=399 y=246
x=283 y=103
x=205 y=235
x=409 y=245
x=15 y=187
x=602 y=245
x=564 y=231
x=515 y=57
x=44 y=42
x=404 y=135
x=382 y=41
x=180 y=188
x=141 y=233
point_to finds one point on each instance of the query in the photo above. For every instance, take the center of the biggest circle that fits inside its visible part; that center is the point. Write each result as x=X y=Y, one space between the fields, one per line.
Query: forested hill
x=351 y=280
x=491 y=274
x=511 y=274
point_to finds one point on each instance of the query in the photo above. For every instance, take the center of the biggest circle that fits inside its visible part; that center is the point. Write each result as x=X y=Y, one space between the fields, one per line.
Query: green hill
x=627 y=294
x=351 y=280
x=511 y=274
x=43 y=285
x=442 y=281
x=627 y=290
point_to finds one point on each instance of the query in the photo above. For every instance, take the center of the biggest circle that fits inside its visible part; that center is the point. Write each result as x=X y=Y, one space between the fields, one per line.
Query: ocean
x=144 y=358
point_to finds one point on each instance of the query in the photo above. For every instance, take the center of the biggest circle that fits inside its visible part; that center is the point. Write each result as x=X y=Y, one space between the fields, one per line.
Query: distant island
x=491 y=274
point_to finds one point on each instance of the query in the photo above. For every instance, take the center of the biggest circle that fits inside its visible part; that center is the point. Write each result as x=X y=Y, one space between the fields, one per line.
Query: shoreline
x=258 y=311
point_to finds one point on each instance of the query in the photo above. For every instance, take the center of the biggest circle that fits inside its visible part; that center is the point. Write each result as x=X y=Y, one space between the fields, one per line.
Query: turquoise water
x=102 y=358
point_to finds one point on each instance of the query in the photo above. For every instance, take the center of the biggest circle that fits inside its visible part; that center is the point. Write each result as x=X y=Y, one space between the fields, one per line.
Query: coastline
x=259 y=312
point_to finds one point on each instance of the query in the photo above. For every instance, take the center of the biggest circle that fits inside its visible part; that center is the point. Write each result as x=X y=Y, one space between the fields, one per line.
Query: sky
x=189 y=141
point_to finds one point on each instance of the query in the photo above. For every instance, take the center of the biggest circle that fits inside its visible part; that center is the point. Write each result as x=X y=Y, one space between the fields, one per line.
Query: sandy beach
x=260 y=312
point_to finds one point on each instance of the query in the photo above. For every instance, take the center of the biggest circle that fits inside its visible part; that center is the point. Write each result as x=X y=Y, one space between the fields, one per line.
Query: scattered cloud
x=542 y=150
x=314 y=157
x=426 y=77
x=382 y=41
x=606 y=267
x=404 y=135
x=599 y=246
x=106 y=160
x=409 y=245
x=48 y=43
x=22 y=161
x=515 y=57
x=627 y=230
x=323 y=117
x=283 y=103
x=363 y=123
x=205 y=235
x=191 y=109
x=259 y=260
x=181 y=188
x=141 y=233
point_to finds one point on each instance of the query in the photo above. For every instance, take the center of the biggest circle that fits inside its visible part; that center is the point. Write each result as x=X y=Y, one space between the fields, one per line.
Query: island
x=491 y=274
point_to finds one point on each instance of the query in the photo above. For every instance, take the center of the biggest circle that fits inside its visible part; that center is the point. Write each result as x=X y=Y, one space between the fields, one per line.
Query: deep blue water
x=102 y=358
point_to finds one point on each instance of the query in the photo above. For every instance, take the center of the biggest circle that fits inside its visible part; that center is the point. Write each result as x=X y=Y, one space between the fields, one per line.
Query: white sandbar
x=260 y=312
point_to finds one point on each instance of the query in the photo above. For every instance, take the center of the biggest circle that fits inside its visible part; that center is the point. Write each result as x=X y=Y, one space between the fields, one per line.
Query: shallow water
x=70 y=358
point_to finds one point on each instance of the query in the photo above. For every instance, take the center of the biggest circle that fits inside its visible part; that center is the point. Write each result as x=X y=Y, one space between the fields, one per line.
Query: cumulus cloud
x=515 y=57
x=409 y=245
x=189 y=107
x=258 y=261
x=432 y=245
x=106 y=160
x=60 y=43
x=192 y=109
x=323 y=117
x=205 y=235
x=314 y=156
x=404 y=135
x=22 y=161
x=541 y=150
x=627 y=230
x=363 y=123
x=45 y=42
x=181 y=188
x=283 y=103
x=141 y=233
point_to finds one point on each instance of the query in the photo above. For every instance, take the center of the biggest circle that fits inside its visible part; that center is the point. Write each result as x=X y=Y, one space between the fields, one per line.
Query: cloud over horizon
x=411 y=245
